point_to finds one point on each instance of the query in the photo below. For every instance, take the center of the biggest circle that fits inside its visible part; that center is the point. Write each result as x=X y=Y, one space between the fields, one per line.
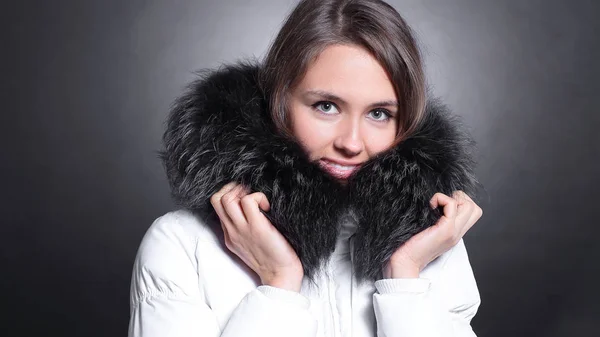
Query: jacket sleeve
x=413 y=308
x=167 y=299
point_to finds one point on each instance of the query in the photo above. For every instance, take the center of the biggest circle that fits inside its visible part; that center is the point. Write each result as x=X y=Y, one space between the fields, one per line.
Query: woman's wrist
x=292 y=284
x=404 y=271
x=289 y=280
x=401 y=269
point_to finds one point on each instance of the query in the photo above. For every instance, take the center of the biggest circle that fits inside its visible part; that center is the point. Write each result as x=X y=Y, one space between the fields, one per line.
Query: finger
x=215 y=201
x=225 y=234
x=462 y=204
x=464 y=209
x=263 y=202
x=467 y=226
x=245 y=190
x=240 y=191
x=449 y=204
x=223 y=217
x=460 y=197
x=466 y=196
x=251 y=204
x=463 y=216
x=475 y=215
x=477 y=212
x=225 y=189
x=231 y=205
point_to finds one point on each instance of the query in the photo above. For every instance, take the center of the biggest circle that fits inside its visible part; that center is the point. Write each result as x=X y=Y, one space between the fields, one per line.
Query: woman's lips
x=337 y=170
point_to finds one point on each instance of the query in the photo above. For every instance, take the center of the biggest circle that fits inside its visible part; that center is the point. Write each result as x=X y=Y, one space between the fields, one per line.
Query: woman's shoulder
x=166 y=258
x=179 y=229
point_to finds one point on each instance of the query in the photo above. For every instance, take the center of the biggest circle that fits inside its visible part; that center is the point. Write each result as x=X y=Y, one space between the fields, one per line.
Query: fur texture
x=220 y=131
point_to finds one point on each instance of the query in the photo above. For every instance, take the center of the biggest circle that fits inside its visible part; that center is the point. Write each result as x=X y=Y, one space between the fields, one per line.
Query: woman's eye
x=325 y=107
x=380 y=115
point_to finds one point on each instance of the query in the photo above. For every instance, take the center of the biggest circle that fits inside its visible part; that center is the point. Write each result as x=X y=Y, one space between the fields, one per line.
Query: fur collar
x=220 y=131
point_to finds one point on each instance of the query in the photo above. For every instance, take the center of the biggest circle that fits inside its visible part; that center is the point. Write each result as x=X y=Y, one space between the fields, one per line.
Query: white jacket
x=185 y=282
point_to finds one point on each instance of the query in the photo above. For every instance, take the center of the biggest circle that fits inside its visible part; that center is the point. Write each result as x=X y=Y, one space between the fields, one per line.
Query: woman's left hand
x=460 y=214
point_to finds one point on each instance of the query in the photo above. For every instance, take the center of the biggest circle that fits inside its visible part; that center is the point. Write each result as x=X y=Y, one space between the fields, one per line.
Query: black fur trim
x=220 y=131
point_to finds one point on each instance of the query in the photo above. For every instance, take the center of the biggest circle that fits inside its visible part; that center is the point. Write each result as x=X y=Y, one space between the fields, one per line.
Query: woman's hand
x=460 y=214
x=250 y=235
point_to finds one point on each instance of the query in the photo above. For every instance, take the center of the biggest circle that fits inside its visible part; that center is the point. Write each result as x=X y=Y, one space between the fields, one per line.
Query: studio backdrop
x=87 y=86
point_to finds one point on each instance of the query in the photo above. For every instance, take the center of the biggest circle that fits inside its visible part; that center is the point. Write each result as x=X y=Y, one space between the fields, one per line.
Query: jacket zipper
x=351 y=244
x=331 y=299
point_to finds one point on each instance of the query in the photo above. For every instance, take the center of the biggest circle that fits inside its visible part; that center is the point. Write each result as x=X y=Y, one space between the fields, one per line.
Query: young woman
x=322 y=193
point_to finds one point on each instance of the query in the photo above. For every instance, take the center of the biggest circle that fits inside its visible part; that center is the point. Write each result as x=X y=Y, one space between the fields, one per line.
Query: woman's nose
x=348 y=140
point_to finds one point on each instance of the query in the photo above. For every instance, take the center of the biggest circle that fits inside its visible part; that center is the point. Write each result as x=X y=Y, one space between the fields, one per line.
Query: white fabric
x=186 y=283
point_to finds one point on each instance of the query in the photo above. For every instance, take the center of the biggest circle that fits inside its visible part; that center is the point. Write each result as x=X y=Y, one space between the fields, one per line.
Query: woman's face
x=343 y=111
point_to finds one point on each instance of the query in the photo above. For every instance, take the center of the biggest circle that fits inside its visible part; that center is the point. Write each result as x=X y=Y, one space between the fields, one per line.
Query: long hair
x=371 y=24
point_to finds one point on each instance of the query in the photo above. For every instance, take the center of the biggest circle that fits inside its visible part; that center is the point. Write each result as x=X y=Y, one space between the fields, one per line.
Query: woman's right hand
x=252 y=237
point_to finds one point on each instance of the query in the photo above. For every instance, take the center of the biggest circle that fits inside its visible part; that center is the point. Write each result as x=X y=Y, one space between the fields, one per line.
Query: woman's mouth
x=337 y=170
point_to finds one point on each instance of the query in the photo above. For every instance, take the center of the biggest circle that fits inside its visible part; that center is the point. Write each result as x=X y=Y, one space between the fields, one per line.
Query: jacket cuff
x=287 y=296
x=402 y=285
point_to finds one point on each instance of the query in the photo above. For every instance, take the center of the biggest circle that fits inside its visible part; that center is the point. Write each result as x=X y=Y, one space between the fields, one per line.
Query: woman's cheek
x=312 y=132
x=315 y=140
x=379 y=139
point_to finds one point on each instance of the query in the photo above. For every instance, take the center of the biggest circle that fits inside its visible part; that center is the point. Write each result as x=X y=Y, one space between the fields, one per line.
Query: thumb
x=262 y=201
x=448 y=203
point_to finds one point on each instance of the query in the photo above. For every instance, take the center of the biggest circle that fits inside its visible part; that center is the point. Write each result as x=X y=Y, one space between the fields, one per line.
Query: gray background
x=85 y=92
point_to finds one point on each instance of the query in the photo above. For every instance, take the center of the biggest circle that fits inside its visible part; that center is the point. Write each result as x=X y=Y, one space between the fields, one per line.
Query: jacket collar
x=220 y=130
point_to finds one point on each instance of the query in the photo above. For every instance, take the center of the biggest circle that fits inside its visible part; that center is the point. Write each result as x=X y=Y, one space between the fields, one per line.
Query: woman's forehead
x=349 y=73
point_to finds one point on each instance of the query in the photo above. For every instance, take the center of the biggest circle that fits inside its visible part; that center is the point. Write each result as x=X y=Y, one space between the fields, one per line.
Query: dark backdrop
x=86 y=86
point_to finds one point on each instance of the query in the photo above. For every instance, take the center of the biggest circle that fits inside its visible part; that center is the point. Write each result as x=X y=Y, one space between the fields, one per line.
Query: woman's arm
x=420 y=307
x=167 y=298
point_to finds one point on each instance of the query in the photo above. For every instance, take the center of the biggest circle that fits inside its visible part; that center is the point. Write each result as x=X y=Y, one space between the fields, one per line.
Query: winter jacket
x=185 y=281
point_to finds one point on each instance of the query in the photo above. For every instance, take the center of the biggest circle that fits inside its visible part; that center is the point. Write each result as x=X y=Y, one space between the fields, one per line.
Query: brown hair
x=372 y=24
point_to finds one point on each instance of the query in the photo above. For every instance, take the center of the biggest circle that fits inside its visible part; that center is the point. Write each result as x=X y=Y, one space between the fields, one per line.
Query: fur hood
x=220 y=130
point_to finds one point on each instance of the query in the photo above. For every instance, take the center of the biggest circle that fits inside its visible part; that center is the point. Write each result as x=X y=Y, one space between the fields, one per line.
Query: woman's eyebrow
x=332 y=97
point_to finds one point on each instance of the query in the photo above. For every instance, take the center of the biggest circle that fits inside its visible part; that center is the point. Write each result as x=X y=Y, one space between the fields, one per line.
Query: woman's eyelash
x=384 y=111
x=388 y=114
x=323 y=102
